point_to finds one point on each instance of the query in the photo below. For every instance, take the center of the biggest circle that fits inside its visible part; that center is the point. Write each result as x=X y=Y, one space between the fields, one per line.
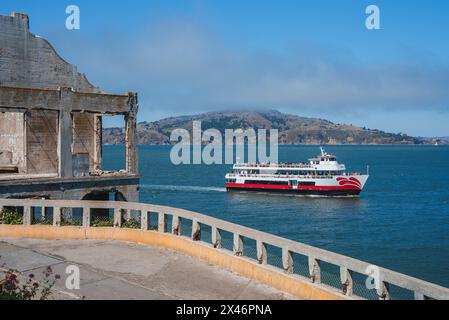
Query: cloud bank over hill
x=180 y=67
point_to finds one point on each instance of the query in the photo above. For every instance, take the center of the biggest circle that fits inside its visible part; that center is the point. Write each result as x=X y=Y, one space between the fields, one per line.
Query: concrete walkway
x=120 y=270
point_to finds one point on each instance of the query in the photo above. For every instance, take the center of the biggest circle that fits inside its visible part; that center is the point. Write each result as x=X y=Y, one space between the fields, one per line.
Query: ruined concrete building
x=51 y=124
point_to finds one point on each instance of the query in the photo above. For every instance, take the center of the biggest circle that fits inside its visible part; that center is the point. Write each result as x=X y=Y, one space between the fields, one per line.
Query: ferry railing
x=240 y=241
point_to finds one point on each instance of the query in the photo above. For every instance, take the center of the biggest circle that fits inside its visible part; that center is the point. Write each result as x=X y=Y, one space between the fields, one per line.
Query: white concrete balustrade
x=316 y=257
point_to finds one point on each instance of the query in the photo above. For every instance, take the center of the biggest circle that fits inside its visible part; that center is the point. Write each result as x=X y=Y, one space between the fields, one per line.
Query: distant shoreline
x=312 y=145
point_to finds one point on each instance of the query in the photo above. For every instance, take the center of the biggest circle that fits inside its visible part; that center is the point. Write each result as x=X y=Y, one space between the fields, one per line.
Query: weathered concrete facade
x=51 y=123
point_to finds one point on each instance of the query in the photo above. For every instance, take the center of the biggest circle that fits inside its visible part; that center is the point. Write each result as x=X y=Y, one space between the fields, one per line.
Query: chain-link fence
x=131 y=219
x=169 y=223
x=330 y=275
x=41 y=216
x=206 y=233
x=274 y=256
x=153 y=221
x=227 y=240
x=71 y=217
x=249 y=248
x=301 y=265
x=186 y=227
x=102 y=217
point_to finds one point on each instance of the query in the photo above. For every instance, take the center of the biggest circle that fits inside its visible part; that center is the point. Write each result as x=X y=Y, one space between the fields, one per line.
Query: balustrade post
x=143 y=220
x=314 y=270
x=384 y=291
x=216 y=237
x=86 y=217
x=56 y=216
x=117 y=217
x=262 y=256
x=176 y=225
x=419 y=296
x=238 y=245
x=346 y=281
x=196 y=230
x=287 y=260
x=162 y=222
x=27 y=215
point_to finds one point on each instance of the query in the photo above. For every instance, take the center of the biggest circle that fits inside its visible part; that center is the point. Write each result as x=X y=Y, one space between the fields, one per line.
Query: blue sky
x=311 y=58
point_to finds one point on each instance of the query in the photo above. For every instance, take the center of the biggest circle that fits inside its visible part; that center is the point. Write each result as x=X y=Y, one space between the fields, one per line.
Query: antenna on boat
x=323 y=153
x=367 y=170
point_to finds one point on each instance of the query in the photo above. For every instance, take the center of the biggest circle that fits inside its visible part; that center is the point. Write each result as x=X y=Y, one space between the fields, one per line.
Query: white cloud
x=179 y=67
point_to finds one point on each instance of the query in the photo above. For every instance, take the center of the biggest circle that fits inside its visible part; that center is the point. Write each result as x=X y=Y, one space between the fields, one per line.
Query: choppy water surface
x=401 y=220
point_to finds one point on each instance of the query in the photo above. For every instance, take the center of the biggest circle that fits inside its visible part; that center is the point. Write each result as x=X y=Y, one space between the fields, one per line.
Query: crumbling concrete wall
x=83 y=137
x=27 y=60
x=12 y=141
x=42 y=142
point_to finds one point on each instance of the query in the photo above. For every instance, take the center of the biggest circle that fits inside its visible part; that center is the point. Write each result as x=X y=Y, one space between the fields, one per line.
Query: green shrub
x=72 y=223
x=43 y=221
x=11 y=217
x=102 y=223
x=131 y=224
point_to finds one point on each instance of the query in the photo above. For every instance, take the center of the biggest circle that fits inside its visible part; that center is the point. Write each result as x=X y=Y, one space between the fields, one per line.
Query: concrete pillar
x=131 y=135
x=176 y=225
x=86 y=217
x=144 y=220
x=346 y=281
x=27 y=216
x=196 y=231
x=384 y=291
x=238 y=244
x=56 y=216
x=65 y=133
x=98 y=143
x=287 y=260
x=216 y=237
x=419 y=296
x=117 y=217
x=162 y=222
x=314 y=270
x=262 y=252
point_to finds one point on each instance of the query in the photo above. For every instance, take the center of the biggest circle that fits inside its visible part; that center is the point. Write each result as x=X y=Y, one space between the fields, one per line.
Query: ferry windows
x=282 y=183
x=307 y=183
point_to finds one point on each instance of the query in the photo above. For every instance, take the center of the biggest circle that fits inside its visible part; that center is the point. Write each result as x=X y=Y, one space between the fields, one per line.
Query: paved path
x=121 y=270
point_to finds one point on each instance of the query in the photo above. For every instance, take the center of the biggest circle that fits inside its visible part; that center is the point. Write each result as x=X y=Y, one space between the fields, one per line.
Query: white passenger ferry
x=320 y=176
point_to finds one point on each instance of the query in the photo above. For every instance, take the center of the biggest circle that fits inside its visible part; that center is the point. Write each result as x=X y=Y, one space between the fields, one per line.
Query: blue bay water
x=401 y=220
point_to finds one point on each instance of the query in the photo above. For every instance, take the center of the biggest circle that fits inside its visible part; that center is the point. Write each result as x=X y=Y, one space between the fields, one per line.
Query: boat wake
x=181 y=188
